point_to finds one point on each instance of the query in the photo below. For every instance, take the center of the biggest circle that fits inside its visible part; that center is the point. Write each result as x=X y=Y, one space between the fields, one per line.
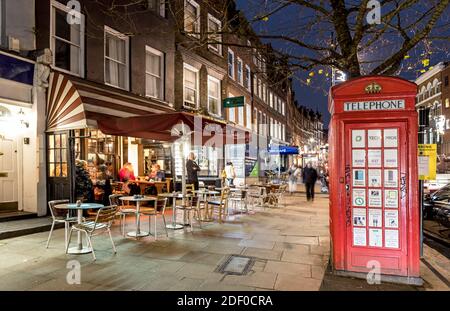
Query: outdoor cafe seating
x=198 y=206
x=102 y=223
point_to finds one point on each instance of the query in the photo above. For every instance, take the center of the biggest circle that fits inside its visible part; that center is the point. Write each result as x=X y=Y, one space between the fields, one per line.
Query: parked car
x=437 y=205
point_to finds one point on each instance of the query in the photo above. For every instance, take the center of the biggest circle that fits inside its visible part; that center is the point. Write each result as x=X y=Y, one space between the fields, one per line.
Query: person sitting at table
x=126 y=173
x=160 y=174
x=153 y=172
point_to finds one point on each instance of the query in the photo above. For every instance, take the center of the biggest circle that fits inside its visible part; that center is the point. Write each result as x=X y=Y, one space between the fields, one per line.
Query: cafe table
x=138 y=199
x=174 y=196
x=204 y=193
x=80 y=249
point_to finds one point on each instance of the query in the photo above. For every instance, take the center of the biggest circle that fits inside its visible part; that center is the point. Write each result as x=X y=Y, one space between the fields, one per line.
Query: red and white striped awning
x=74 y=103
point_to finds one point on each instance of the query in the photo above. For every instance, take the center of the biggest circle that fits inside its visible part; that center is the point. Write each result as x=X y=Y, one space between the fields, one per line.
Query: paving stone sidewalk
x=289 y=247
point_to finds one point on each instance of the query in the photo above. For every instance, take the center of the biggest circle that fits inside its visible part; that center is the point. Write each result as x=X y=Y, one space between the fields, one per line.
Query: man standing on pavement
x=309 y=179
x=192 y=169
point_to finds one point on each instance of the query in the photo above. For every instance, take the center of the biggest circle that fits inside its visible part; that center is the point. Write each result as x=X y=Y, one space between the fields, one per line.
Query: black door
x=58 y=168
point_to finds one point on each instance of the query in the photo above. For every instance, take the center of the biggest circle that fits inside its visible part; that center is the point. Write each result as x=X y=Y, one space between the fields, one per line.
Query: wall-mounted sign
x=391 y=104
x=232 y=102
x=359 y=217
x=427 y=161
x=376 y=237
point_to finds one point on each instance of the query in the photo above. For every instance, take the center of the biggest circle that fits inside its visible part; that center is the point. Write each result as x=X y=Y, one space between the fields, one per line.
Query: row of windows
x=192 y=26
x=67 y=43
x=260 y=89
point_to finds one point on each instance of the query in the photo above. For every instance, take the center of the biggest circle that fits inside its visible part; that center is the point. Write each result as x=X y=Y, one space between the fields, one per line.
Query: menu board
x=375 y=192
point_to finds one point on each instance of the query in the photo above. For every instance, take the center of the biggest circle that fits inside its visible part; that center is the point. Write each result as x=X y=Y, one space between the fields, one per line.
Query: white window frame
x=248 y=111
x=240 y=115
x=249 y=79
x=264 y=93
x=57 y=5
x=121 y=36
x=219 y=100
x=233 y=74
x=219 y=36
x=240 y=76
x=259 y=88
x=149 y=49
x=191 y=68
x=197 y=23
x=255 y=85
x=231 y=111
x=271 y=99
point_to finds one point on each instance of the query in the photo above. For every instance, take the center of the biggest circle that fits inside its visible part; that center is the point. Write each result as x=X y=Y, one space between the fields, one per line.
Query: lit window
x=214 y=96
x=190 y=76
x=154 y=73
x=447 y=103
x=116 y=58
x=231 y=111
x=240 y=113
x=249 y=115
x=214 y=29
x=67 y=41
x=192 y=18
x=231 y=63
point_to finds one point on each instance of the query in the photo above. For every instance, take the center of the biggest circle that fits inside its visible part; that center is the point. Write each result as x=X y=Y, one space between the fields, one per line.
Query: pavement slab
x=289 y=247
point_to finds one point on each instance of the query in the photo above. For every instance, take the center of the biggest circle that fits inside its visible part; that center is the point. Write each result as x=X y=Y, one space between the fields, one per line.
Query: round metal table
x=80 y=249
x=174 y=196
x=204 y=193
x=138 y=199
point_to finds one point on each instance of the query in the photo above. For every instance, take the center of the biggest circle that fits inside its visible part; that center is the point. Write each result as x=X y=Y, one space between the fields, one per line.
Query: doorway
x=8 y=175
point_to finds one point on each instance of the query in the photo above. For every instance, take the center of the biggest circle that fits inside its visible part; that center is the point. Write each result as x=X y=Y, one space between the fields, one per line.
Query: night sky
x=314 y=96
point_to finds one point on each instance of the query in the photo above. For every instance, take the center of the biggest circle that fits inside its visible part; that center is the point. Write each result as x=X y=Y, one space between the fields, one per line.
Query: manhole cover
x=236 y=265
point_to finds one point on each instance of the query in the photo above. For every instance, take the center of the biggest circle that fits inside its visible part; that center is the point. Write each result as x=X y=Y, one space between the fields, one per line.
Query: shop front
x=76 y=142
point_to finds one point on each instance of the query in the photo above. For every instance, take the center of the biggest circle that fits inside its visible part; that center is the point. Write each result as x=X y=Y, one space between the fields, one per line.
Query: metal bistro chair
x=192 y=205
x=102 y=223
x=277 y=195
x=124 y=210
x=239 y=197
x=60 y=216
x=222 y=204
x=257 y=195
x=160 y=209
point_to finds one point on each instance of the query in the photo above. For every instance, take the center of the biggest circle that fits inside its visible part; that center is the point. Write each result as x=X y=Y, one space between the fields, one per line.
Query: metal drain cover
x=236 y=265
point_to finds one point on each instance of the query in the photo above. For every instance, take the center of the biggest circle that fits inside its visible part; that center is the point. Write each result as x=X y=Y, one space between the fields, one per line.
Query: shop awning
x=170 y=126
x=283 y=150
x=74 y=103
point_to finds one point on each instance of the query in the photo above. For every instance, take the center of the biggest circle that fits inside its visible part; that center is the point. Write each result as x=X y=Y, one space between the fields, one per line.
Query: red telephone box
x=374 y=206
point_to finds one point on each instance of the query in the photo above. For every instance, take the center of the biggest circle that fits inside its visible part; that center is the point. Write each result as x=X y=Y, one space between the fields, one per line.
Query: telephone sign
x=374 y=177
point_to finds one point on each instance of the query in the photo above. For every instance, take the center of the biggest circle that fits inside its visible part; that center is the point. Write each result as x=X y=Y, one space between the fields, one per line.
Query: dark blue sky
x=314 y=95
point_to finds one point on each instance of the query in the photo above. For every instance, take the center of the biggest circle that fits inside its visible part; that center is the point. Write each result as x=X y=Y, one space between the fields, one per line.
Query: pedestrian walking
x=309 y=179
x=293 y=172
x=230 y=172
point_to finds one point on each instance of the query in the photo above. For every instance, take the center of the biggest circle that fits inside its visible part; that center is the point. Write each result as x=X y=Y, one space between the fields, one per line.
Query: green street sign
x=232 y=102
